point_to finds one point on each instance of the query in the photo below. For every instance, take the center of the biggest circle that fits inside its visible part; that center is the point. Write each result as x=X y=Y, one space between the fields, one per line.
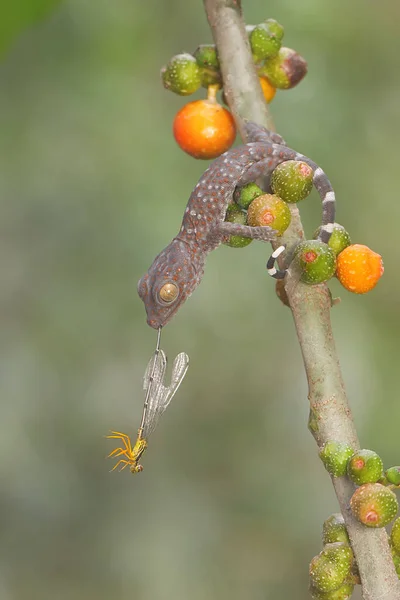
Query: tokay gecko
x=179 y=268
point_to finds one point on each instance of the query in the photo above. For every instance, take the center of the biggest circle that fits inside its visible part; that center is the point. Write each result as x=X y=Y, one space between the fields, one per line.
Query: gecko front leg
x=225 y=229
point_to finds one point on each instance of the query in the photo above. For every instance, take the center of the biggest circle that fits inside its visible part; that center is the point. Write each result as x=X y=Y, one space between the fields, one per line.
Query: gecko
x=178 y=269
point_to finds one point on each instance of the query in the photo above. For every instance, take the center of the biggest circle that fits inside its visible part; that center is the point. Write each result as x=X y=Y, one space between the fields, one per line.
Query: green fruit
x=342 y=593
x=264 y=44
x=334 y=530
x=235 y=214
x=396 y=561
x=246 y=194
x=182 y=75
x=207 y=58
x=331 y=567
x=292 y=180
x=269 y=210
x=335 y=456
x=374 y=505
x=339 y=239
x=365 y=466
x=395 y=536
x=275 y=28
x=285 y=70
x=393 y=475
x=316 y=261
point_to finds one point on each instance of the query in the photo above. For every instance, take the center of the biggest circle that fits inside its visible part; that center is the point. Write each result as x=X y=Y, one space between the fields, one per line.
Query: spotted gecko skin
x=203 y=228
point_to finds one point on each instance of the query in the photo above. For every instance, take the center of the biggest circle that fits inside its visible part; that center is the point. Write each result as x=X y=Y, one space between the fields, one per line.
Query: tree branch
x=310 y=305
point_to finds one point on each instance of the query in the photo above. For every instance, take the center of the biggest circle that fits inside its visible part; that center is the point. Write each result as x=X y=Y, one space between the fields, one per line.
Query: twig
x=310 y=305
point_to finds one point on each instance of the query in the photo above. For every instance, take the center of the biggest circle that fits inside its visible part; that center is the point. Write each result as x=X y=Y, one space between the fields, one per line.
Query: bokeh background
x=92 y=187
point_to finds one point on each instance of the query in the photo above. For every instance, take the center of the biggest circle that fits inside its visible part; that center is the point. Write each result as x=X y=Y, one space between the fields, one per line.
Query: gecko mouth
x=154 y=323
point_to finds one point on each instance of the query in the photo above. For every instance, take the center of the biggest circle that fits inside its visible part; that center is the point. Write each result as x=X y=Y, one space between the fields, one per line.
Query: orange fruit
x=359 y=268
x=204 y=129
x=268 y=89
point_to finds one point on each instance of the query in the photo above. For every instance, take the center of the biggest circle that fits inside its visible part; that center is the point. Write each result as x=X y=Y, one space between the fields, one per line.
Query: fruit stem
x=212 y=92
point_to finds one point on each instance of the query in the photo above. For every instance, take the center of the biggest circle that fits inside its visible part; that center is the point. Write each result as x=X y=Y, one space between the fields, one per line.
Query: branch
x=310 y=305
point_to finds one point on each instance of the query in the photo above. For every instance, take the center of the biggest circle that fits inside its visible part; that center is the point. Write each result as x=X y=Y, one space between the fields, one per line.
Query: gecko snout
x=153 y=323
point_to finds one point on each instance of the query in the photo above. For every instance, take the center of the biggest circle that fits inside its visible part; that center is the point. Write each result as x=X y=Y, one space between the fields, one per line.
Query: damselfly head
x=136 y=468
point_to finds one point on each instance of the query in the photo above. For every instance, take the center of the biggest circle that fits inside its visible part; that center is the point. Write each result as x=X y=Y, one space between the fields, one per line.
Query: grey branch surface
x=310 y=305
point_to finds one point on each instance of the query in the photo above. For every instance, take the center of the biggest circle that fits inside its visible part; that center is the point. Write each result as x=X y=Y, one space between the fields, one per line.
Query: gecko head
x=169 y=281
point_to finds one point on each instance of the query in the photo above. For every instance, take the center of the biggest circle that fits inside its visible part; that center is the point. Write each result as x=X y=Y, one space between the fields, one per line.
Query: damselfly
x=158 y=397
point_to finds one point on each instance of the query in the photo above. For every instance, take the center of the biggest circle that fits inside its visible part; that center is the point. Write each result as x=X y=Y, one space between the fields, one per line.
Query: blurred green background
x=93 y=186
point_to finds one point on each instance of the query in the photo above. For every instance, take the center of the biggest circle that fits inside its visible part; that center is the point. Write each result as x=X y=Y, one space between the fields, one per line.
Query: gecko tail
x=271 y=269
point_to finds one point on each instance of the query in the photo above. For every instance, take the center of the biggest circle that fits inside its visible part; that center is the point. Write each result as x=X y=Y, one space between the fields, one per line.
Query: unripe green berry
x=334 y=530
x=316 y=261
x=264 y=43
x=235 y=214
x=395 y=536
x=292 y=180
x=396 y=561
x=182 y=75
x=365 y=466
x=285 y=70
x=339 y=239
x=331 y=567
x=342 y=593
x=275 y=28
x=207 y=58
x=269 y=210
x=374 y=505
x=335 y=456
x=393 y=475
x=246 y=194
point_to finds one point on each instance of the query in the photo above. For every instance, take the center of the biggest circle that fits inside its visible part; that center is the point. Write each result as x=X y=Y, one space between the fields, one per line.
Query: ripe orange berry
x=359 y=268
x=268 y=89
x=204 y=129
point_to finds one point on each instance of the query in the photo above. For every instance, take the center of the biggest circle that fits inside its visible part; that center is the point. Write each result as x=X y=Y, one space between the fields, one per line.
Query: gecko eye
x=168 y=293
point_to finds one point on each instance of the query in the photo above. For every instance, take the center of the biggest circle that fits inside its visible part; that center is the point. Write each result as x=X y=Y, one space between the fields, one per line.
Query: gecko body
x=179 y=268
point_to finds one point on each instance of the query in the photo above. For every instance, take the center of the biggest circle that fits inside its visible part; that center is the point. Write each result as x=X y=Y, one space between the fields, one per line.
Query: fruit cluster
x=333 y=573
x=356 y=266
x=254 y=207
x=290 y=182
x=204 y=128
x=374 y=502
